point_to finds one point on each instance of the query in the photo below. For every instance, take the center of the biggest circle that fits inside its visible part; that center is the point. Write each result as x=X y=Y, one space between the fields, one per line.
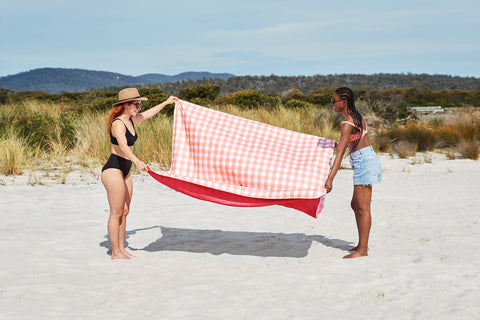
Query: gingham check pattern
x=245 y=157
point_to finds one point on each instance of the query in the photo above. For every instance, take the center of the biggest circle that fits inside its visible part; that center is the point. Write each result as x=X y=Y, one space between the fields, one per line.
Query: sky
x=243 y=37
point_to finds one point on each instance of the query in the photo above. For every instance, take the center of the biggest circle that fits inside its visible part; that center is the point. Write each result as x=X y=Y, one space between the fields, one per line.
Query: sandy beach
x=200 y=260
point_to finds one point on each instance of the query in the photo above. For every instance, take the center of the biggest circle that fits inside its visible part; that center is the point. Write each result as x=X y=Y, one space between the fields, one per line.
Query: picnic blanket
x=234 y=161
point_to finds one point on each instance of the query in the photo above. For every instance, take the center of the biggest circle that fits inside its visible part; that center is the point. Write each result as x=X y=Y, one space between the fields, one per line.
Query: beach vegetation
x=405 y=149
x=200 y=94
x=321 y=96
x=14 y=153
x=296 y=104
x=469 y=149
x=250 y=99
x=293 y=94
x=382 y=141
x=423 y=137
x=65 y=131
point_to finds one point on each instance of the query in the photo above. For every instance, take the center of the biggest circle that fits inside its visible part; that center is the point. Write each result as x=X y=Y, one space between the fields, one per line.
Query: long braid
x=347 y=95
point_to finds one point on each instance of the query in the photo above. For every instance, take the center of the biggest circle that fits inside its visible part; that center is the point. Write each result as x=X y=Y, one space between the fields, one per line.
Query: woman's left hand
x=171 y=100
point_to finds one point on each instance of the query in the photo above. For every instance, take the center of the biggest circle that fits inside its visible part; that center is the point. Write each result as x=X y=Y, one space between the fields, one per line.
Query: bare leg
x=128 y=199
x=113 y=181
x=363 y=197
x=357 y=219
x=354 y=207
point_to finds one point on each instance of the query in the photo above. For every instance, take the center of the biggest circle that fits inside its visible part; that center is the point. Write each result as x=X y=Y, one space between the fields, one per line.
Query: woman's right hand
x=328 y=185
x=141 y=165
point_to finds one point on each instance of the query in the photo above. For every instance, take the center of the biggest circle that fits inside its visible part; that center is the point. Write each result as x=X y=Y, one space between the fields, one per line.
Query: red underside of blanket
x=308 y=206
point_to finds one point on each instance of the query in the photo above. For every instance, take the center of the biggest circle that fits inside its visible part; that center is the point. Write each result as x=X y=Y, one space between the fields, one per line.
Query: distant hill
x=57 y=80
x=308 y=84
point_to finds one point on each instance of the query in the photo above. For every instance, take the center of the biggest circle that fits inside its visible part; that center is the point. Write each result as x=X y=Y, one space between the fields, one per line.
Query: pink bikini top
x=356 y=136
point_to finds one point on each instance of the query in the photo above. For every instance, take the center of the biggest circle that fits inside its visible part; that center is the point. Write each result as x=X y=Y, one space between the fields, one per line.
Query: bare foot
x=356 y=248
x=128 y=254
x=356 y=254
x=120 y=256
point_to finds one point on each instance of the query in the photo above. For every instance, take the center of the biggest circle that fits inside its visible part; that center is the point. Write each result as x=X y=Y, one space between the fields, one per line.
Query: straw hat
x=129 y=94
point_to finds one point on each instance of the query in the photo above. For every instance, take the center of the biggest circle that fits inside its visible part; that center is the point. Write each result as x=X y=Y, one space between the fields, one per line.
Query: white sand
x=199 y=260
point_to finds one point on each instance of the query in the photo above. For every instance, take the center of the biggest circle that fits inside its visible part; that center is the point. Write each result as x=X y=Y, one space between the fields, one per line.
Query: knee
x=126 y=210
x=353 y=206
x=363 y=211
x=116 y=213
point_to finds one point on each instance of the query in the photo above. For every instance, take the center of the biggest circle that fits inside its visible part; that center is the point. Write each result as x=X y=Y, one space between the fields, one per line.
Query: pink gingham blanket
x=246 y=160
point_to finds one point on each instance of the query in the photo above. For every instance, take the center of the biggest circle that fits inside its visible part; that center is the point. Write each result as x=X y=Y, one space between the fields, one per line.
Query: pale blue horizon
x=279 y=37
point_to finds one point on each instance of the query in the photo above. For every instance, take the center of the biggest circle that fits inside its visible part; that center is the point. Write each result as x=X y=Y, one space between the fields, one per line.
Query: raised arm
x=153 y=111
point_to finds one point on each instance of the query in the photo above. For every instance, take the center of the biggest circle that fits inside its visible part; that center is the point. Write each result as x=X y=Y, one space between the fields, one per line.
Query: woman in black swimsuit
x=116 y=173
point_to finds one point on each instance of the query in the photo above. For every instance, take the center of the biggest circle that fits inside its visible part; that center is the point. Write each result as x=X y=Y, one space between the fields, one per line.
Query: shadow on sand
x=216 y=242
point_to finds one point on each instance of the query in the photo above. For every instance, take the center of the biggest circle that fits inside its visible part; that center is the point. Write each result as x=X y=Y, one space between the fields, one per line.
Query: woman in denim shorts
x=365 y=163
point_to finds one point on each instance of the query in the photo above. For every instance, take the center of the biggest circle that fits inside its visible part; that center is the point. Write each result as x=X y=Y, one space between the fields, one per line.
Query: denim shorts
x=366 y=166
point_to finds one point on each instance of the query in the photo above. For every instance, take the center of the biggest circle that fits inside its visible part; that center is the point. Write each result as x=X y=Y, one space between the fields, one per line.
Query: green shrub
x=155 y=97
x=249 y=99
x=321 y=97
x=297 y=104
x=5 y=95
x=293 y=94
x=205 y=93
x=100 y=104
x=39 y=96
x=36 y=129
x=68 y=128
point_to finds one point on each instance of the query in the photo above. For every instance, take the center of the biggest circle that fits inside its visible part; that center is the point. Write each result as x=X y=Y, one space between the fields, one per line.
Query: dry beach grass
x=37 y=135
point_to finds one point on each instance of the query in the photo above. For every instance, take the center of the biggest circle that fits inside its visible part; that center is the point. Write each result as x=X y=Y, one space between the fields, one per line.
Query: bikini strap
x=350 y=123
x=122 y=122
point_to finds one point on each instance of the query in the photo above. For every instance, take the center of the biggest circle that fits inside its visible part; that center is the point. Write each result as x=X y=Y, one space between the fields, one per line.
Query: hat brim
x=130 y=99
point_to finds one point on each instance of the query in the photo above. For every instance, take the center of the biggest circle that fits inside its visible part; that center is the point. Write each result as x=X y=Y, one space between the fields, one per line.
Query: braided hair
x=347 y=94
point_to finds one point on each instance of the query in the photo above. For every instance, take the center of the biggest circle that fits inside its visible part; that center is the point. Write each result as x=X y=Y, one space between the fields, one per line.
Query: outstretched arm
x=153 y=111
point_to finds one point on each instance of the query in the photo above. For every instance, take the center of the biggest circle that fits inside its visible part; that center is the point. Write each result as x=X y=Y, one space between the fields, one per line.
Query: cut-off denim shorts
x=366 y=166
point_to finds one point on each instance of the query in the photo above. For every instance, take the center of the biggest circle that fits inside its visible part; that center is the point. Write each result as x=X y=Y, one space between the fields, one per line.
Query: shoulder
x=138 y=118
x=117 y=125
x=346 y=128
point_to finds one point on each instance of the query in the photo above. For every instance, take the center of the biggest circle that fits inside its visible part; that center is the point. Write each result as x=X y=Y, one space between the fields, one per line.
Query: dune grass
x=14 y=153
x=458 y=131
x=39 y=136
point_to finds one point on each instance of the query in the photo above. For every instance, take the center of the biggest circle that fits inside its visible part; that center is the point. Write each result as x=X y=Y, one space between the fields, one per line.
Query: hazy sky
x=242 y=37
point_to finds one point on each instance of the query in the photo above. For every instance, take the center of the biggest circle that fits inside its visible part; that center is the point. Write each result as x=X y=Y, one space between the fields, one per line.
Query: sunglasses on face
x=335 y=101
x=137 y=105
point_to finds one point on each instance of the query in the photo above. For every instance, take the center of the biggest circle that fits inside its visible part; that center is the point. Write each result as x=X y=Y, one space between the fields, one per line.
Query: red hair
x=114 y=113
